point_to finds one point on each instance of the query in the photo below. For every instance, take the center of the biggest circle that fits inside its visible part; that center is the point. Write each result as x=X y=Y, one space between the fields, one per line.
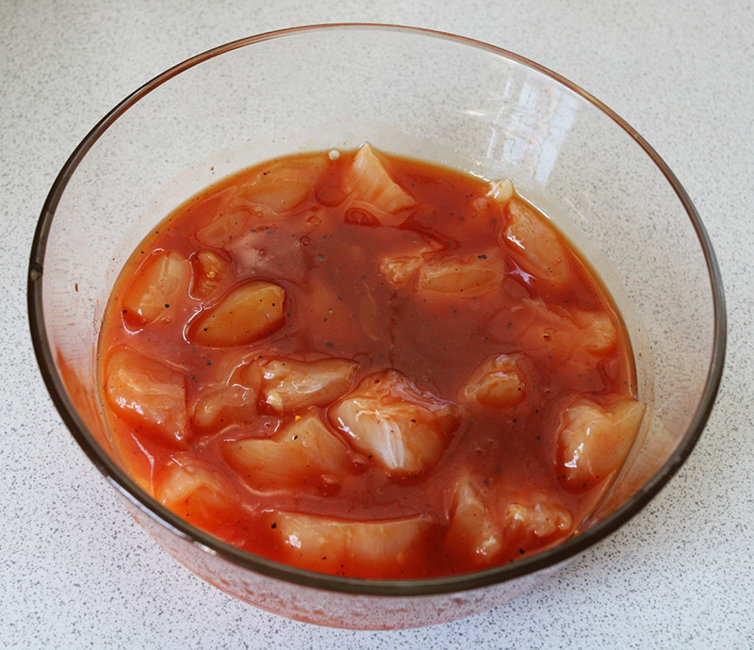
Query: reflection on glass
x=528 y=128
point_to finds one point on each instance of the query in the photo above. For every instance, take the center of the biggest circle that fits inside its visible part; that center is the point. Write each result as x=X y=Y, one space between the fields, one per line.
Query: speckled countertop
x=77 y=571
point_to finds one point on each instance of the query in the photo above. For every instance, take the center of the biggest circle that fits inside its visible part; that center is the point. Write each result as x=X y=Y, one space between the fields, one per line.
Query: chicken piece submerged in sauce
x=368 y=366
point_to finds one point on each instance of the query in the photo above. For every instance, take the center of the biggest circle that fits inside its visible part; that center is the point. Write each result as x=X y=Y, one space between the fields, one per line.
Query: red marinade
x=369 y=366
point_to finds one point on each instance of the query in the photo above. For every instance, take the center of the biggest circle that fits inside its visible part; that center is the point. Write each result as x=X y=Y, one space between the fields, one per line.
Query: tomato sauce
x=369 y=366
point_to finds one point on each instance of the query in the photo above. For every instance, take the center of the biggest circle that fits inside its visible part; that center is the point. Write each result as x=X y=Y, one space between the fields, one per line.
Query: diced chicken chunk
x=273 y=192
x=271 y=251
x=594 y=440
x=217 y=407
x=497 y=382
x=535 y=244
x=465 y=277
x=404 y=429
x=372 y=189
x=373 y=318
x=282 y=185
x=209 y=272
x=225 y=227
x=398 y=270
x=486 y=532
x=149 y=395
x=162 y=281
x=288 y=384
x=194 y=490
x=501 y=191
x=327 y=543
x=399 y=267
x=597 y=332
x=304 y=452
x=229 y=395
x=536 y=520
x=473 y=531
x=246 y=314
x=568 y=334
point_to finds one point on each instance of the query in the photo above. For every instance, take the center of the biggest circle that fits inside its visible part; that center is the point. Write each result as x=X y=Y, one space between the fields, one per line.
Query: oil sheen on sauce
x=367 y=366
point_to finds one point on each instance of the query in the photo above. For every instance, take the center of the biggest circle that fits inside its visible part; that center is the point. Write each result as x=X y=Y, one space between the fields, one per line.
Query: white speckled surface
x=75 y=569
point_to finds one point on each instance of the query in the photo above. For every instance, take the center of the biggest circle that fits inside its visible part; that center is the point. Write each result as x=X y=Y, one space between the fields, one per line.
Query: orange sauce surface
x=326 y=248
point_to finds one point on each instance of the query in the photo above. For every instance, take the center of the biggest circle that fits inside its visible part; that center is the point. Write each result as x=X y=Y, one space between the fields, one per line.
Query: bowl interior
x=413 y=93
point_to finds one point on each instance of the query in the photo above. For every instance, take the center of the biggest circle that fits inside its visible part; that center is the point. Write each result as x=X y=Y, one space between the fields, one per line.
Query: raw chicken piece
x=195 y=490
x=163 y=280
x=571 y=335
x=283 y=185
x=404 y=429
x=210 y=269
x=400 y=266
x=246 y=314
x=149 y=395
x=501 y=191
x=536 y=520
x=230 y=399
x=597 y=333
x=594 y=440
x=303 y=453
x=224 y=228
x=272 y=252
x=215 y=408
x=485 y=532
x=398 y=270
x=473 y=532
x=535 y=244
x=324 y=543
x=372 y=191
x=465 y=277
x=288 y=384
x=497 y=382
x=372 y=317
x=268 y=196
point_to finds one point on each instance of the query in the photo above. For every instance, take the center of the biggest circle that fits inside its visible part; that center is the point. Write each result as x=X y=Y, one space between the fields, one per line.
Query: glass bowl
x=415 y=93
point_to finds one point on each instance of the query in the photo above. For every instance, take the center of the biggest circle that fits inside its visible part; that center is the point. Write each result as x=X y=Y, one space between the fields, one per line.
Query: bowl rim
x=445 y=584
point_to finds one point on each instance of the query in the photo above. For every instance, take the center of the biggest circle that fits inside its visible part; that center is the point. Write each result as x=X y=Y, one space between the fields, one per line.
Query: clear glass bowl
x=416 y=93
